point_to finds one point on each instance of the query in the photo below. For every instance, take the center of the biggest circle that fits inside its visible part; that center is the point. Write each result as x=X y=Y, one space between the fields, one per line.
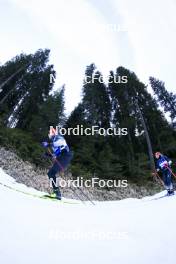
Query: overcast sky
x=138 y=34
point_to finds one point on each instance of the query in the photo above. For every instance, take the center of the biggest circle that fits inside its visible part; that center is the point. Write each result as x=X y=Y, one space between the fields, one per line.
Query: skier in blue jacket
x=163 y=164
x=61 y=156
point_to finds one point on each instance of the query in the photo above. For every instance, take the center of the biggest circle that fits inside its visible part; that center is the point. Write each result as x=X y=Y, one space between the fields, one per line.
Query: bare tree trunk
x=6 y=81
x=150 y=151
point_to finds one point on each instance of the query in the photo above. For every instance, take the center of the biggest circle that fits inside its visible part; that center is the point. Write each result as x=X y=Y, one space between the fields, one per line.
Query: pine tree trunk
x=6 y=81
x=150 y=151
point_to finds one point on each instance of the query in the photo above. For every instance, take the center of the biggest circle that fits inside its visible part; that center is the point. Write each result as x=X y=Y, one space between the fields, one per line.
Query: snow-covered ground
x=34 y=230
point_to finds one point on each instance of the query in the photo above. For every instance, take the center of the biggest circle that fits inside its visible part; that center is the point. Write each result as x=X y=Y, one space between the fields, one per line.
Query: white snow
x=34 y=230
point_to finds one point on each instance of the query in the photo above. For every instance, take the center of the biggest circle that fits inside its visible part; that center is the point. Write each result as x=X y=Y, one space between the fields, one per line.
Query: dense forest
x=28 y=107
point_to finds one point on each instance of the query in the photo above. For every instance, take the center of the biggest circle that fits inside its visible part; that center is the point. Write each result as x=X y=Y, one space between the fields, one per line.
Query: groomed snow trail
x=130 y=231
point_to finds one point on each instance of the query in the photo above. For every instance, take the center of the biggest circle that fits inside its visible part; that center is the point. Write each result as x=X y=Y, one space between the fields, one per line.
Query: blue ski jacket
x=59 y=145
x=162 y=162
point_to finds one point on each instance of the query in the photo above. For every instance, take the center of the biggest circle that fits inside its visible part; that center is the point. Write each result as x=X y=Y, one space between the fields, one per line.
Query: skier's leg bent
x=53 y=180
x=167 y=177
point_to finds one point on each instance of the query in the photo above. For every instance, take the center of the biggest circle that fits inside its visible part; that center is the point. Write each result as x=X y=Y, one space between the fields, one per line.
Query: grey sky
x=139 y=35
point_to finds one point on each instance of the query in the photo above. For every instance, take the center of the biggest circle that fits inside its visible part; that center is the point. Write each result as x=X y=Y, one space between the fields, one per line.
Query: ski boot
x=170 y=192
x=56 y=194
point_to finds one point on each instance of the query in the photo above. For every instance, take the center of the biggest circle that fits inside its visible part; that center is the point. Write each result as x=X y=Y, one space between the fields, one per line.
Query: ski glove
x=45 y=144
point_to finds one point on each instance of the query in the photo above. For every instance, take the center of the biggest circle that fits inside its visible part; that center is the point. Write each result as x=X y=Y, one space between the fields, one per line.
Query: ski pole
x=79 y=198
x=171 y=171
x=62 y=169
x=159 y=178
x=77 y=195
x=55 y=160
x=86 y=196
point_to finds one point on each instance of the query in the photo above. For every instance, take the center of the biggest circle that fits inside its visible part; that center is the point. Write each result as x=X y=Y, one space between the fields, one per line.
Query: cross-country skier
x=61 y=156
x=163 y=164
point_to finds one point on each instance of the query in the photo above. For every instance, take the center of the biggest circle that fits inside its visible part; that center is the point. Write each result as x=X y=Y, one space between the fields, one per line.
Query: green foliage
x=29 y=105
x=27 y=101
x=27 y=90
x=165 y=98
x=51 y=113
x=96 y=101
x=115 y=105
x=23 y=144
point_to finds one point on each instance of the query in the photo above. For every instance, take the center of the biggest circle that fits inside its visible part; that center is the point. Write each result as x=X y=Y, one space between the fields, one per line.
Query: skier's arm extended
x=46 y=144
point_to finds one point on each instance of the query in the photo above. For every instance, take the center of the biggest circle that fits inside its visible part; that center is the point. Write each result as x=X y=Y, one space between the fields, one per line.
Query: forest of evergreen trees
x=28 y=106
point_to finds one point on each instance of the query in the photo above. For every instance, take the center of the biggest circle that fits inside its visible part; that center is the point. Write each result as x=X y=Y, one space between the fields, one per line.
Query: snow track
x=129 y=231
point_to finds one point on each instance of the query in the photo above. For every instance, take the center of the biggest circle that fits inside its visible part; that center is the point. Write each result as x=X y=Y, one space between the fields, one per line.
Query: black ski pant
x=60 y=164
x=167 y=178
